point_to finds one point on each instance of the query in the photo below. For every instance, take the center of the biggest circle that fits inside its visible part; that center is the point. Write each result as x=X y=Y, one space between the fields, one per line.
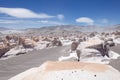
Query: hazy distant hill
x=113 y=28
x=73 y=28
x=3 y=28
x=68 y=29
x=117 y=27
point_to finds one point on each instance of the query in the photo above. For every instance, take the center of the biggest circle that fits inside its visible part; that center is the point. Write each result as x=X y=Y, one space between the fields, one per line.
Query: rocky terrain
x=24 y=49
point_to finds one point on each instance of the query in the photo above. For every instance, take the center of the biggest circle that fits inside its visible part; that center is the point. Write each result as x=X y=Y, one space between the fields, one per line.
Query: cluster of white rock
x=88 y=68
x=94 y=49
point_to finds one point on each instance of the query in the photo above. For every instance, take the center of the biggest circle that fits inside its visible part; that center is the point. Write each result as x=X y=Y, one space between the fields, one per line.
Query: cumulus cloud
x=23 y=13
x=60 y=17
x=86 y=20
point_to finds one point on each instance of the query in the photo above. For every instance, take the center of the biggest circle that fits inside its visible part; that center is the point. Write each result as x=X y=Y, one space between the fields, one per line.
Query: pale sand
x=69 y=71
x=13 y=66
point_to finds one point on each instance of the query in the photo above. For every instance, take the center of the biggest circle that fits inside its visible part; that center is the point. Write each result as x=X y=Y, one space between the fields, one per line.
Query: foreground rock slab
x=69 y=71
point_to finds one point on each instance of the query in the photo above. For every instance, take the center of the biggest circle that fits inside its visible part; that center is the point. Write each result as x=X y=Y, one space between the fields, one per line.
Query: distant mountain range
x=73 y=28
x=67 y=28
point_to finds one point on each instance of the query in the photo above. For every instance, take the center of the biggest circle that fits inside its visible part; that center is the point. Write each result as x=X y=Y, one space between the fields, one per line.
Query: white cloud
x=104 y=21
x=60 y=17
x=86 y=20
x=23 y=13
x=28 y=23
x=5 y=21
x=17 y=21
x=43 y=21
x=50 y=22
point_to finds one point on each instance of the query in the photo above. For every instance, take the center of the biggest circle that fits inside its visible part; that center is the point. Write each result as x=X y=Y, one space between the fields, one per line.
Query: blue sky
x=36 y=13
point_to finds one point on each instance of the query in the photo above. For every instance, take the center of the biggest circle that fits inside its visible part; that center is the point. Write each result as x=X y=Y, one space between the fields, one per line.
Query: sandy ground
x=70 y=71
x=13 y=66
x=116 y=63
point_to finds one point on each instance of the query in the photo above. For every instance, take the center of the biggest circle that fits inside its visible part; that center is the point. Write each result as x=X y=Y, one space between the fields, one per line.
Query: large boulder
x=69 y=71
x=3 y=50
x=54 y=42
x=27 y=43
x=36 y=39
x=74 y=45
